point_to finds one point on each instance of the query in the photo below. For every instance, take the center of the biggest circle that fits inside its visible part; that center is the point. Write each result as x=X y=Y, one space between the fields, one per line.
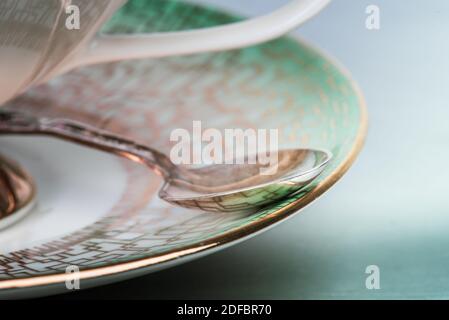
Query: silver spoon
x=217 y=188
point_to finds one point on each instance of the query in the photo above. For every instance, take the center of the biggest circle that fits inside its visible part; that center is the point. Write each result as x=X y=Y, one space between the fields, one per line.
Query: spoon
x=216 y=187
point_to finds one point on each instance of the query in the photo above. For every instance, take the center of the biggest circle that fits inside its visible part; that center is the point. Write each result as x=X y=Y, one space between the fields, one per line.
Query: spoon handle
x=21 y=123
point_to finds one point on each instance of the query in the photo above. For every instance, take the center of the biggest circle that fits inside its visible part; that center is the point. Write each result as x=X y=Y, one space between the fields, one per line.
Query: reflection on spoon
x=216 y=187
x=16 y=192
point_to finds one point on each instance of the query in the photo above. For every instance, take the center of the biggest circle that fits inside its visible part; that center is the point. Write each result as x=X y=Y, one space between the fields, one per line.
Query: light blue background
x=391 y=209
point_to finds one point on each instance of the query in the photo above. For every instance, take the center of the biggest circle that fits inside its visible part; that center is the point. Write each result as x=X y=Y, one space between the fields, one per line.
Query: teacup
x=40 y=39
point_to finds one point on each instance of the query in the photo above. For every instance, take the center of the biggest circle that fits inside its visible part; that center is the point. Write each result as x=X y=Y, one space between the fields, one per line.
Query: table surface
x=389 y=210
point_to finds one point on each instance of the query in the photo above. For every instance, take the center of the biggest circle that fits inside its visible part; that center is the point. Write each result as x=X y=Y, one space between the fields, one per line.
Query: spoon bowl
x=237 y=188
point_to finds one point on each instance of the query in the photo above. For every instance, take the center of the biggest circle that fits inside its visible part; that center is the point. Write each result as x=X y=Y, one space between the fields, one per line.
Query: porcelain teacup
x=40 y=39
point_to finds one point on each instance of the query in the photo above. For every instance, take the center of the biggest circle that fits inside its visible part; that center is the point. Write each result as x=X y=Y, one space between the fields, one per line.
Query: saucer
x=102 y=214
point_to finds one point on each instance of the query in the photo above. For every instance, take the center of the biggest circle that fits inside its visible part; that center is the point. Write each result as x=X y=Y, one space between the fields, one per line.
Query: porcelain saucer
x=102 y=214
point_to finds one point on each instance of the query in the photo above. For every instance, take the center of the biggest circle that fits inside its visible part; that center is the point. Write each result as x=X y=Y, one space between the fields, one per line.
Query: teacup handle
x=108 y=48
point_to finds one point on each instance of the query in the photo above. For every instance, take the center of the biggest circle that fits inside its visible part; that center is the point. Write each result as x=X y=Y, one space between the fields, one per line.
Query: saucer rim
x=234 y=236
